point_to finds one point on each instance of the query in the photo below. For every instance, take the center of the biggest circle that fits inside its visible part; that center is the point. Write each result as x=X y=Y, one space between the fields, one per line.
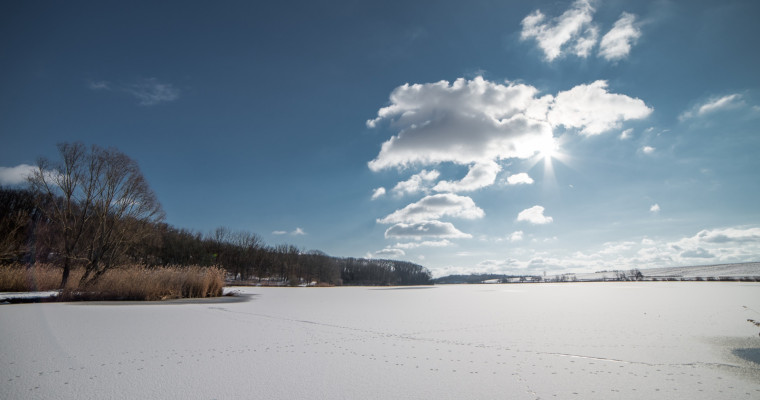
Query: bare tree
x=100 y=205
x=125 y=210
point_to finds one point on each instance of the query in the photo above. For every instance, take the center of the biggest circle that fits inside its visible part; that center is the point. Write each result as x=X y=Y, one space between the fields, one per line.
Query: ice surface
x=637 y=340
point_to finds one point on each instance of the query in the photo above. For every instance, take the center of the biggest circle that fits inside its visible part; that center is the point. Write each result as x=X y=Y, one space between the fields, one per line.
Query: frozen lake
x=648 y=340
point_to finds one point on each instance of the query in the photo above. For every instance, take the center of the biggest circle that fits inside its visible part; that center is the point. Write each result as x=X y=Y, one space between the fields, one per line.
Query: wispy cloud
x=534 y=215
x=99 y=85
x=378 y=192
x=572 y=28
x=712 y=105
x=617 y=43
x=151 y=92
x=648 y=150
x=16 y=175
x=655 y=208
x=295 y=232
x=575 y=32
x=148 y=91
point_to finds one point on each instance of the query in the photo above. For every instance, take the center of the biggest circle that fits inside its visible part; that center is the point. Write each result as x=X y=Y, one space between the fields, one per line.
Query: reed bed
x=131 y=282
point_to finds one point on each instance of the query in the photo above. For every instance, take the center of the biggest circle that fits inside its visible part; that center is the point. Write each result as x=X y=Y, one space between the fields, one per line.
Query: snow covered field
x=638 y=340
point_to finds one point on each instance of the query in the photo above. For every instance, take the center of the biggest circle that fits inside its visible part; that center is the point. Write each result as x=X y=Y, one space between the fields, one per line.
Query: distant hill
x=482 y=278
x=739 y=271
x=718 y=271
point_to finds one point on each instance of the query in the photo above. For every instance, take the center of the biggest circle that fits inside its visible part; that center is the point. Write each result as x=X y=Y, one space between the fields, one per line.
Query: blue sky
x=505 y=137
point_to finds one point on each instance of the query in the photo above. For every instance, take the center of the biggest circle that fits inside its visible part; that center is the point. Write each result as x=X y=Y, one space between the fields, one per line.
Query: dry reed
x=122 y=283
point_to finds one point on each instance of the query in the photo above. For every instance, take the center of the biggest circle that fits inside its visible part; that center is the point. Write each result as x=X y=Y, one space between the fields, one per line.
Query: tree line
x=93 y=209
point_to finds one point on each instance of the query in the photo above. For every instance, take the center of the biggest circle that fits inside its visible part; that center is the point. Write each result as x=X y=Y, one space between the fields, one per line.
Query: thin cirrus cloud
x=534 y=215
x=712 y=105
x=574 y=32
x=148 y=91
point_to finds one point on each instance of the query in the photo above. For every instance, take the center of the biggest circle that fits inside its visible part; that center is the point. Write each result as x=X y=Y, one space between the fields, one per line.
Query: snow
x=4 y=296
x=632 y=340
x=735 y=271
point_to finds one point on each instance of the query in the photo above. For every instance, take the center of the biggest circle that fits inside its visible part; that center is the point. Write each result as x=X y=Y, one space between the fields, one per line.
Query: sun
x=547 y=149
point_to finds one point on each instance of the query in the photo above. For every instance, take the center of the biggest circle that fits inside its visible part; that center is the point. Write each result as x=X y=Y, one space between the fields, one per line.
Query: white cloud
x=655 y=208
x=626 y=134
x=584 y=44
x=416 y=183
x=534 y=215
x=729 y=235
x=479 y=122
x=16 y=175
x=710 y=246
x=593 y=110
x=574 y=32
x=697 y=253
x=480 y=175
x=390 y=253
x=418 y=230
x=377 y=193
x=648 y=149
x=720 y=245
x=434 y=207
x=151 y=92
x=516 y=236
x=573 y=28
x=465 y=122
x=616 y=44
x=519 y=179
x=427 y=243
x=296 y=232
x=712 y=105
